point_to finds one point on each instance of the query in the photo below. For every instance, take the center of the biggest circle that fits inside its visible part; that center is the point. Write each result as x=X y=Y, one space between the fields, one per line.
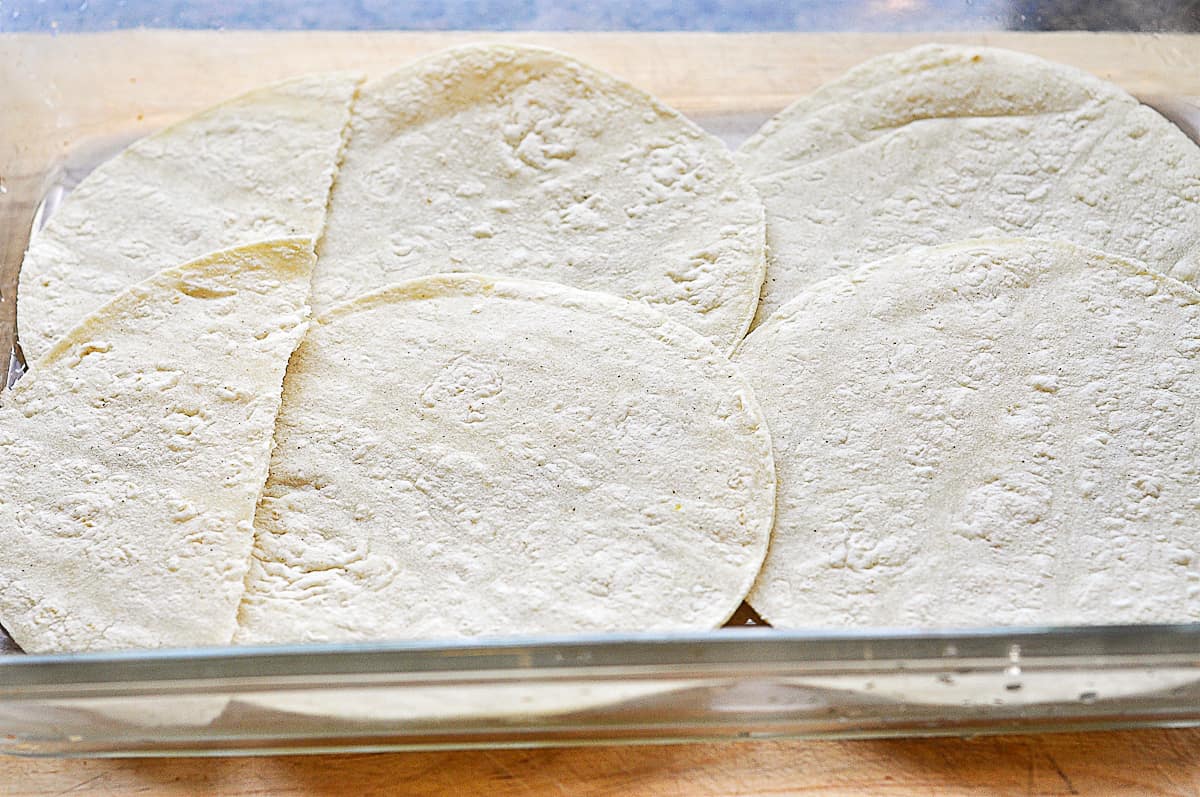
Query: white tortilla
x=939 y=143
x=534 y=165
x=255 y=168
x=133 y=453
x=455 y=702
x=503 y=457
x=988 y=433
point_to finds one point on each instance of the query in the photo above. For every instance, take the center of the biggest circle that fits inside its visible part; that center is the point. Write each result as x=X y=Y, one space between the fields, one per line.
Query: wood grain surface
x=138 y=80
x=1160 y=762
x=63 y=95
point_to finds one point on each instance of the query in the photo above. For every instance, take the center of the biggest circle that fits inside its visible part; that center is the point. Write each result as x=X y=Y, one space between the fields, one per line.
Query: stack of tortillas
x=563 y=448
x=987 y=432
x=513 y=409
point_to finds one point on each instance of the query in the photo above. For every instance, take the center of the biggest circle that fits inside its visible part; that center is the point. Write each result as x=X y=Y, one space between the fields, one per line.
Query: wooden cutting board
x=143 y=78
x=108 y=88
x=1109 y=764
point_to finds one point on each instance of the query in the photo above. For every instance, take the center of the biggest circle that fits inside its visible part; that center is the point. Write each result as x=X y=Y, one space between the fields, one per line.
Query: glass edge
x=758 y=649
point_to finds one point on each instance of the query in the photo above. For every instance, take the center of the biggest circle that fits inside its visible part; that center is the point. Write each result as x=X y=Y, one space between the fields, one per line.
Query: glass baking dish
x=74 y=99
x=729 y=684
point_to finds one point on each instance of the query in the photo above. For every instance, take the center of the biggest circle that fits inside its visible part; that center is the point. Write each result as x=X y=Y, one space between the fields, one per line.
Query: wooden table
x=1154 y=762
x=127 y=83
